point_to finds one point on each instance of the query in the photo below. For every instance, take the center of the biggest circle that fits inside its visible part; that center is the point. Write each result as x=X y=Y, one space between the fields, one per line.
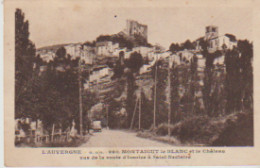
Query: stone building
x=143 y=50
x=106 y=48
x=211 y=32
x=215 y=41
x=222 y=42
x=185 y=55
x=86 y=52
x=134 y=28
x=73 y=50
x=46 y=55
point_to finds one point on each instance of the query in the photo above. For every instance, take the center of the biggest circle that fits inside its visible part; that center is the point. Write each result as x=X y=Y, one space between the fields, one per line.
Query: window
x=207 y=29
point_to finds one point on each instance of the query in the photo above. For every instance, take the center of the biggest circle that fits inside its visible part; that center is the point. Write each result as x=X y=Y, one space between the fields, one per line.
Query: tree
x=119 y=66
x=208 y=79
x=24 y=61
x=103 y=38
x=184 y=79
x=239 y=78
x=147 y=112
x=175 y=99
x=174 y=47
x=160 y=82
x=140 y=40
x=60 y=55
x=204 y=46
x=233 y=81
x=246 y=50
x=91 y=44
x=59 y=94
x=135 y=62
x=193 y=82
x=187 y=45
x=116 y=114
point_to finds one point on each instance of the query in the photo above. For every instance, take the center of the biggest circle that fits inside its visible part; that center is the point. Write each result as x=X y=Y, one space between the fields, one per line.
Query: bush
x=238 y=131
x=195 y=129
x=232 y=130
x=163 y=129
x=76 y=142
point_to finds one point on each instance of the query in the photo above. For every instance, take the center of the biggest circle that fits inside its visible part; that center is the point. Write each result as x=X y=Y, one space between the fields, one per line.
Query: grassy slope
x=232 y=130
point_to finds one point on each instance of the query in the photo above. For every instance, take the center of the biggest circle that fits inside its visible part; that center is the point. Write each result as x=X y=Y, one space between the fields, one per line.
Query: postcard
x=131 y=83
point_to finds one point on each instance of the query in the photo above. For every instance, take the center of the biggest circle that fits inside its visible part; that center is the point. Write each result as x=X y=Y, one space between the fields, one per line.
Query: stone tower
x=134 y=28
x=211 y=32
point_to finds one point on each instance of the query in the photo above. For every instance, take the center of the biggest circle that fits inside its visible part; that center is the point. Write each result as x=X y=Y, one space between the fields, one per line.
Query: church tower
x=211 y=32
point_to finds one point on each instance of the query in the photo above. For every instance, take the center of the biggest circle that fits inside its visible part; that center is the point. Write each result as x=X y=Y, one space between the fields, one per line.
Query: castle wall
x=135 y=28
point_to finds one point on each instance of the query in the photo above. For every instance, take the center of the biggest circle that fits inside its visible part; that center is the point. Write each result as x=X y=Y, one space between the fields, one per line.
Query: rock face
x=96 y=111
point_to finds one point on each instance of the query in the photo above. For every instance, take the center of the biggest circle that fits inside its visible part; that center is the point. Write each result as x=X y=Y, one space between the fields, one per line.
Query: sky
x=56 y=25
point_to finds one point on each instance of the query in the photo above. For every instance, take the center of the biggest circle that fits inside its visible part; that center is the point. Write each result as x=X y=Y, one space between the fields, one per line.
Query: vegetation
x=212 y=117
x=24 y=61
x=205 y=104
x=207 y=131
x=52 y=95
x=174 y=47
x=129 y=70
x=124 y=41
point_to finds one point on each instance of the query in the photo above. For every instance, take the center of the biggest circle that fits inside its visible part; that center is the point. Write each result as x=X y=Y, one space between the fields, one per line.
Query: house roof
x=231 y=37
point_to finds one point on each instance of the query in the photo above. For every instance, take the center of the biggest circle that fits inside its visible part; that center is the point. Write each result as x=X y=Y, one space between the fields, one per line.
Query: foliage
x=103 y=38
x=146 y=112
x=60 y=55
x=246 y=50
x=135 y=62
x=118 y=70
x=239 y=78
x=128 y=70
x=208 y=79
x=24 y=61
x=89 y=99
x=51 y=96
x=125 y=41
x=91 y=44
x=187 y=45
x=140 y=40
x=238 y=131
x=175 y=47
x=116 y=115
x=159 y=70
x=130 y=99
x=175 y=98
x=59 y=95
x=206 y=130
x=193 y=81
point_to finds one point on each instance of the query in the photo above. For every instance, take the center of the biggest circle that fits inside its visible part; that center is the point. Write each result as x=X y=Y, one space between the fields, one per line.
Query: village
x=101 y=73
x=180 y=99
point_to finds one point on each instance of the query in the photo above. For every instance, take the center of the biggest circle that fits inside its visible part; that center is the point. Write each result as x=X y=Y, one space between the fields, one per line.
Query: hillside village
x=105 y=47
x=185 y=82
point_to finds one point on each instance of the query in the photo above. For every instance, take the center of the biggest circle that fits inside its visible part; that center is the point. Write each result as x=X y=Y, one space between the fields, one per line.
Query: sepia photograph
x=133 y=77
